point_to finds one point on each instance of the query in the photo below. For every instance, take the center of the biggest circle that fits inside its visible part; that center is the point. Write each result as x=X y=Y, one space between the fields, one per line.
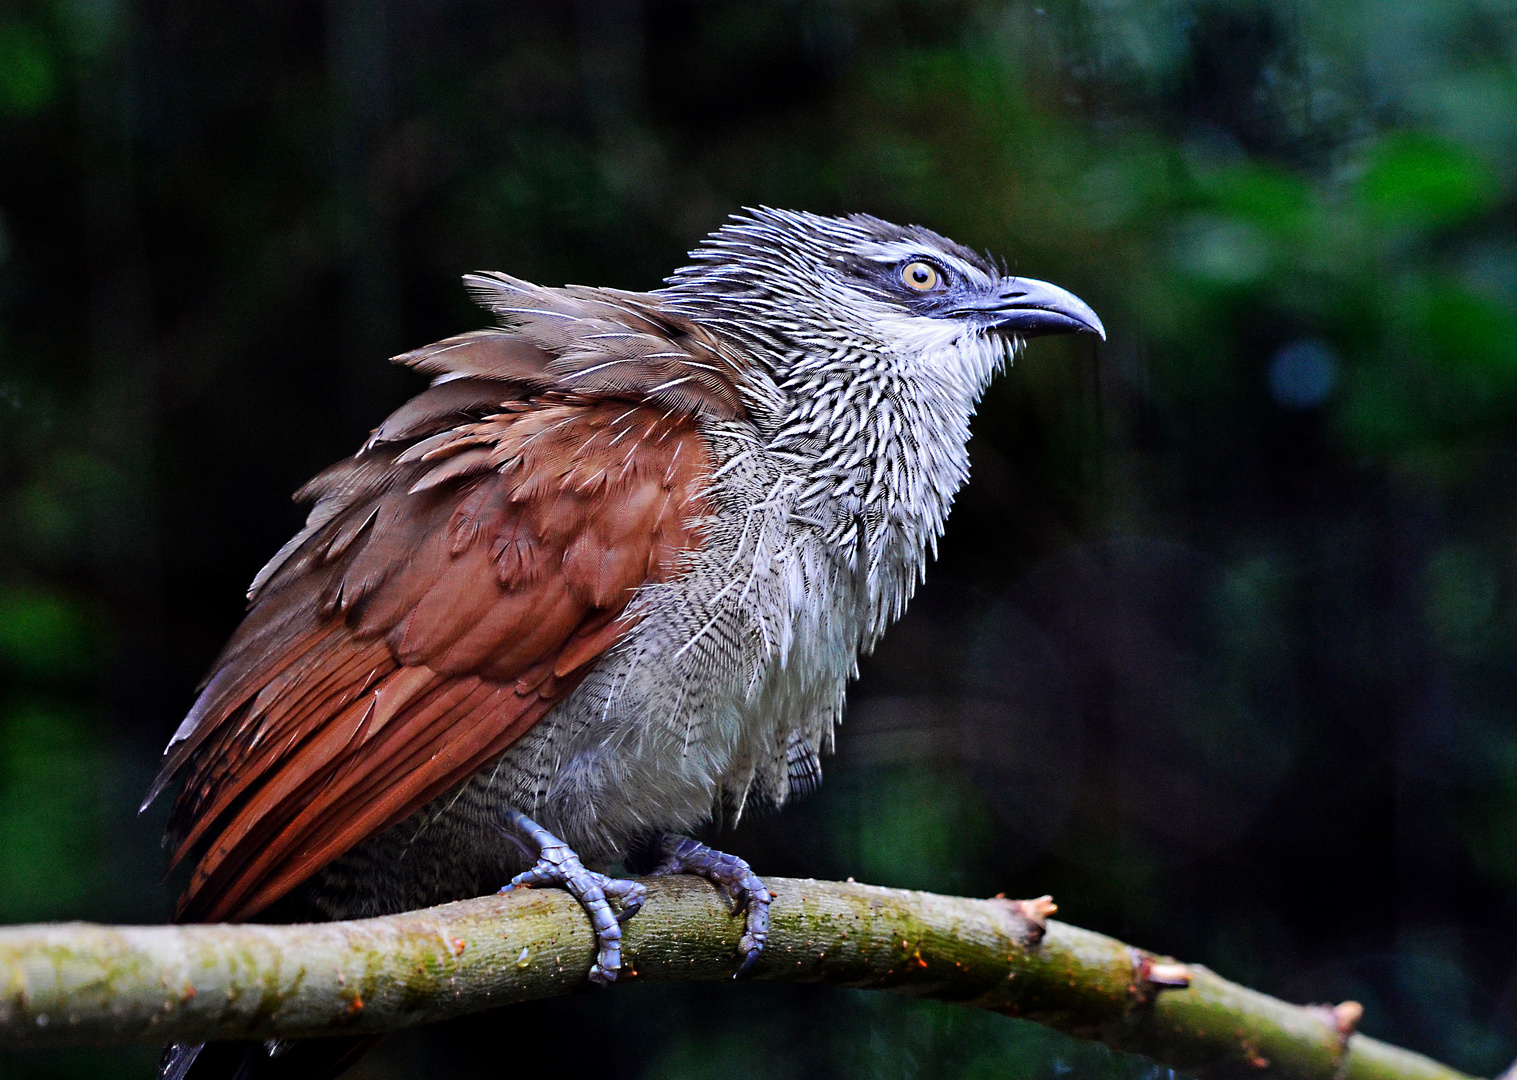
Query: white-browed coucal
x=609 y=573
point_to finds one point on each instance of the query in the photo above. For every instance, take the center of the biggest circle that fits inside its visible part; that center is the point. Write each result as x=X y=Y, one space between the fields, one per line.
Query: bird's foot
x=737 y=881
x=557 y=864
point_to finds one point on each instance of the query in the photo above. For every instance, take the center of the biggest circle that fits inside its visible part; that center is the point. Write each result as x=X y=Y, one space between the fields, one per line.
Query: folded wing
x=455 y=580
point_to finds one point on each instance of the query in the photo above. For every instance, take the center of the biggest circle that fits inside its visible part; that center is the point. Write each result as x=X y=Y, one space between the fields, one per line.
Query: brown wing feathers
x=455 y=580
x=590 y=341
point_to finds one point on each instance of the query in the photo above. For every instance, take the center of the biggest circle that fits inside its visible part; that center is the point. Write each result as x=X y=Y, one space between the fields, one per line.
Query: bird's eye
x=921 y=276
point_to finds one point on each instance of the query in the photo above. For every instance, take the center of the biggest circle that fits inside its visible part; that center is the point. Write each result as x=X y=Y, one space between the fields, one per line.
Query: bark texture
x=69 y=984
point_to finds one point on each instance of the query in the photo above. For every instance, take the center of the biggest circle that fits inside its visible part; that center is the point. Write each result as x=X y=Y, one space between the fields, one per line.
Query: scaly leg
x=557 y=864
x=734 y=877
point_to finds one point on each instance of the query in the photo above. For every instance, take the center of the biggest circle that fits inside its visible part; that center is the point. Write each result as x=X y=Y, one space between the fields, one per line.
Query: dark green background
x=1220 y=647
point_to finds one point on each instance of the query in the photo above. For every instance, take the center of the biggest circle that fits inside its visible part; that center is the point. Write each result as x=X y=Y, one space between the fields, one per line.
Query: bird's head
x=815 y=291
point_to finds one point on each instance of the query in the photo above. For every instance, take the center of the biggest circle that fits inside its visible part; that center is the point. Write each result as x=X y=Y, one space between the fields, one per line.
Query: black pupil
x=920 y=274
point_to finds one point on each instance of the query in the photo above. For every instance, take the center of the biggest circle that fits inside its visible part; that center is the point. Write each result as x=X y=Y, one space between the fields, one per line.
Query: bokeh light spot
x=1303 y=374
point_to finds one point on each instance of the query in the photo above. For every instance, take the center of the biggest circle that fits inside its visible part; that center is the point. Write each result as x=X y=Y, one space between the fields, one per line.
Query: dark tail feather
x=307 y=1059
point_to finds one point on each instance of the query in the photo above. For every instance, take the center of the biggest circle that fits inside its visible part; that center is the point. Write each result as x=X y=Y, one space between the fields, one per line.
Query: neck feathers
x=879 y=442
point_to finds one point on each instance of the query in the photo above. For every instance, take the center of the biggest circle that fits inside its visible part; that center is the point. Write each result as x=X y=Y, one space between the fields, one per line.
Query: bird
x=606 y=578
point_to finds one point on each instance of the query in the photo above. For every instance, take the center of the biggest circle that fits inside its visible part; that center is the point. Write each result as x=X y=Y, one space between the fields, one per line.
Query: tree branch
x=68 y=984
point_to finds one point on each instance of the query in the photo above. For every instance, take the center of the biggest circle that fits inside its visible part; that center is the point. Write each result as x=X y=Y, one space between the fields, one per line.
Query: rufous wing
x=456 y=579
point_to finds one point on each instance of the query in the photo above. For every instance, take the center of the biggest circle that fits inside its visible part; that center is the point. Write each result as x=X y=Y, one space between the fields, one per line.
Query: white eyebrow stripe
x=891 y=251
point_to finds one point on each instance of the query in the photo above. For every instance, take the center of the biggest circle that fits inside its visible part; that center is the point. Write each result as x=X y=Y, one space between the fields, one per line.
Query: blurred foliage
x=27 y=80
x=1220 y=647
x=910 y=828
x=49 y=791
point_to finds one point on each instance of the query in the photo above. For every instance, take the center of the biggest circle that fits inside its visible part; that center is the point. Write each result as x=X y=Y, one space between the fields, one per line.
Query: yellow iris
x=921 y=276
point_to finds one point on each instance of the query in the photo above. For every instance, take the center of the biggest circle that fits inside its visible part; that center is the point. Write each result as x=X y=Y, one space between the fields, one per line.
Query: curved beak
x=1031 y=308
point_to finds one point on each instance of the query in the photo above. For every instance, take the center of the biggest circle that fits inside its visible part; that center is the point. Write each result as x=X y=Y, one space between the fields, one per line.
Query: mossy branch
x=67 y=984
